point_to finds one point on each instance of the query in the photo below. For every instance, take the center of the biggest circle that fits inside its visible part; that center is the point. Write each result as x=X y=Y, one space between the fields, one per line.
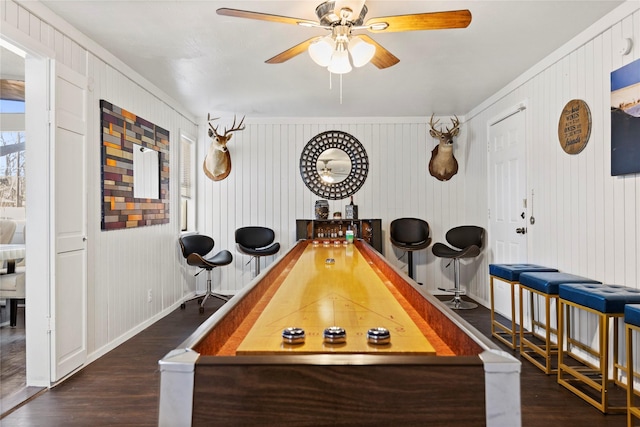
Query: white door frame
x=38 y=209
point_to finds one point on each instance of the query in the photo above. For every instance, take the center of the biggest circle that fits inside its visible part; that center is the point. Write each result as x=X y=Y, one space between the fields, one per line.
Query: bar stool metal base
x=536 y=345
x=458 y=303
x=506 y=334
x=202 y=298
x=633 y=405
x=592 y=382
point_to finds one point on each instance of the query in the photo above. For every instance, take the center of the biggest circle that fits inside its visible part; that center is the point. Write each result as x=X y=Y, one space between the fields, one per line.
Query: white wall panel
x=586 y=220
x=127 y=263
x=68 y=51
x=265 y=187
x=123 y=264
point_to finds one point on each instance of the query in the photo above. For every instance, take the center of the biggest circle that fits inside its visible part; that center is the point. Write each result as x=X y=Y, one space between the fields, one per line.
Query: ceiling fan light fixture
x=361 y=51
x=326 y=176
x=340 y=62
x=322 y=50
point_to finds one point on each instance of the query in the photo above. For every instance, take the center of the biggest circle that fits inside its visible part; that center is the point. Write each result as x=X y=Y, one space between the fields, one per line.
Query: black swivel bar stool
x=467 y=241
x=409 y=234
x=257 y=242
x=194 y=248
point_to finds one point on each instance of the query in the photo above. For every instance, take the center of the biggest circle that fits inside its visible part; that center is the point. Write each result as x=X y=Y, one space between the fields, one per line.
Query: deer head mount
x=217 y=163
x=443 y=165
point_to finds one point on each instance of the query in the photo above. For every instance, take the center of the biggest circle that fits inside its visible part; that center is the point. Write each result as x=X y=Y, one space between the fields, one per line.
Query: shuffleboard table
x=435 y=368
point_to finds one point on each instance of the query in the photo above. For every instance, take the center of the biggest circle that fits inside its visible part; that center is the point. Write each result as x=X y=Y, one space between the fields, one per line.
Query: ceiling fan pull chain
x=340 y=89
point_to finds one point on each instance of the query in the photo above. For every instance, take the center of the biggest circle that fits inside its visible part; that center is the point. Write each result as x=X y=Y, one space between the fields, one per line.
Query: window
x=185 y=167
x=187 y=183
x=12 y=154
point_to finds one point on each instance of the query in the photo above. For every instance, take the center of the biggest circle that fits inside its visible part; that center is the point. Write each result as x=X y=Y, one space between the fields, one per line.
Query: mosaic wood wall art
x=122 y=129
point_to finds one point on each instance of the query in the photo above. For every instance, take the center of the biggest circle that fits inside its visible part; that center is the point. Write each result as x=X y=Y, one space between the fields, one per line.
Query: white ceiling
x=11 y=65
x=213 y=63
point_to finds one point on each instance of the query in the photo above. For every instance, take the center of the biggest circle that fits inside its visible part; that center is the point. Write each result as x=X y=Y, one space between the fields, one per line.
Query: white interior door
x=507 y=197
x=68 y=305
x=508 y=190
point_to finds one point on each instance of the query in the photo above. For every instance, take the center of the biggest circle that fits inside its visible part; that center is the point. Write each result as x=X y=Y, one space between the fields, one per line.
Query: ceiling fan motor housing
x=327 y=15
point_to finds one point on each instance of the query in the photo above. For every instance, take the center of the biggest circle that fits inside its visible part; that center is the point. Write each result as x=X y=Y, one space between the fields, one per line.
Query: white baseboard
x=129 y=334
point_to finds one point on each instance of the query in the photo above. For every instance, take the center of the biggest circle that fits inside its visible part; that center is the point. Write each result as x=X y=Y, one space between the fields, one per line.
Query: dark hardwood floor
x=12 y=354
x=13 y=375
x=121 y=388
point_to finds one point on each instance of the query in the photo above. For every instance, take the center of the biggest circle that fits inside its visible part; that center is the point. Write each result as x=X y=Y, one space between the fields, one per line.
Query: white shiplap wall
x=265 y=187
x=587 y=222
x=122 y=265
x=125 y=264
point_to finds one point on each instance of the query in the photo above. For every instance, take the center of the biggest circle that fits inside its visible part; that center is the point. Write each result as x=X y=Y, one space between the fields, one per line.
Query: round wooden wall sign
x=574 y=126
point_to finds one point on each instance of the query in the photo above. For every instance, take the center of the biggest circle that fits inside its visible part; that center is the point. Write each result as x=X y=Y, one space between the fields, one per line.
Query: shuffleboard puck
x=335 y=335
x=378 y=336
x=293 y=335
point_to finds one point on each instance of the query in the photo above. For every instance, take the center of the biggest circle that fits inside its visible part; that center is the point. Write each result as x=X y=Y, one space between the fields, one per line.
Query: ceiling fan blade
x=293 y=51
x=382 y=58
x=264 y=17
x=421 y=21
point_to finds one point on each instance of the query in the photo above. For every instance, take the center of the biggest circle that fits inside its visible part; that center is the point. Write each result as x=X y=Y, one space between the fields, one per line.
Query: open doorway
x=13 y=224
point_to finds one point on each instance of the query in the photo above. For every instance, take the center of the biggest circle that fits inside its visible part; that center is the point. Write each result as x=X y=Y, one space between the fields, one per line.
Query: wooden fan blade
x=382 y=58
x=422 y=21
x=291 y=52
x=263 y=16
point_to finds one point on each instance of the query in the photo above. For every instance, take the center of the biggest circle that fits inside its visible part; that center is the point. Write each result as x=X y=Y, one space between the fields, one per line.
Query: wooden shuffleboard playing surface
x=347 y=293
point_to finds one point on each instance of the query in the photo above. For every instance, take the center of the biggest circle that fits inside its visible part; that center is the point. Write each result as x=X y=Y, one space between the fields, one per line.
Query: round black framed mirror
x=334 y=165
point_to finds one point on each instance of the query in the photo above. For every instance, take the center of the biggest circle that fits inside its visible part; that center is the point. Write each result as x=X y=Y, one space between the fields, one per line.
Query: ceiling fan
x=326 y=173
x=343 y=18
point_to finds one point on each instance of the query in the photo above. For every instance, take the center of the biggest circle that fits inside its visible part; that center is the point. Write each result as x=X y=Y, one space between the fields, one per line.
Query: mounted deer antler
x=443 y=165
x=217 y=163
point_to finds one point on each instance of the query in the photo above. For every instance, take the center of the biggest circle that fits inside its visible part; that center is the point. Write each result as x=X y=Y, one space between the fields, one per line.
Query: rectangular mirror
x=146 y=173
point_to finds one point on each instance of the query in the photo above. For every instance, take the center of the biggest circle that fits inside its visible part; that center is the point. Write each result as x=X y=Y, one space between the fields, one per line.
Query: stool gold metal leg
x=633 y=410
x=499 y=330
x=588 y=376
x=530 y=346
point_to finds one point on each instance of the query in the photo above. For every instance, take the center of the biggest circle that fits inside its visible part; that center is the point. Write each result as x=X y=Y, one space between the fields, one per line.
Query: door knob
x=521 y=230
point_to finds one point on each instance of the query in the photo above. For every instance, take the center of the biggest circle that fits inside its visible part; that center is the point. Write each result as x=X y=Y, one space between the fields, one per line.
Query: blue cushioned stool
x=539 y=290
x=510 y=274
x=632 y=327
x=583 y=365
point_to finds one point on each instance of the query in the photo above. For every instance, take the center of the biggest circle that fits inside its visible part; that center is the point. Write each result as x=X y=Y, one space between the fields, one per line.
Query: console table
x=369 y=230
